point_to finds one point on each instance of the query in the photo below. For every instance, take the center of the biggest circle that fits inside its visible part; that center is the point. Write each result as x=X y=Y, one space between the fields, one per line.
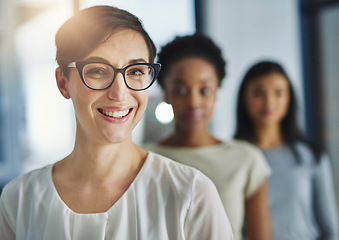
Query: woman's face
x=93 y=107
x=191 y=88
x=267 y=98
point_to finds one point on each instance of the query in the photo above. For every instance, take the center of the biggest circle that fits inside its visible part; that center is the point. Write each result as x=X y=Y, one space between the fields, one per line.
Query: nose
x=193 y=100
x=118 y=90
x=269 y=100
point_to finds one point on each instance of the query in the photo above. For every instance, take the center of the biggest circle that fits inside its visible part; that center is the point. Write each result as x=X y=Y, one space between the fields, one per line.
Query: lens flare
x=164 y=113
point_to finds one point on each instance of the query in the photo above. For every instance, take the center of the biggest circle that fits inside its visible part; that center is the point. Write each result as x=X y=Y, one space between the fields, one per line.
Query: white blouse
x=167 y=200
x=237 y=169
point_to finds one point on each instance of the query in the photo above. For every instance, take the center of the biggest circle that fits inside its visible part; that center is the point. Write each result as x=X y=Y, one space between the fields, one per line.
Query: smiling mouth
x=114 y=114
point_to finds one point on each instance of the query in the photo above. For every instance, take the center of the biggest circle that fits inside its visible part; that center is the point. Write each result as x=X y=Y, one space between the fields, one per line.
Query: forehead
x=270 y=80
x=121 y=47
x=192 y=69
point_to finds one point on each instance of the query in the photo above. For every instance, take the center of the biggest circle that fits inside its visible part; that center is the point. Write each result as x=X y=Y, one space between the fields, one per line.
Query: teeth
x=115 y=114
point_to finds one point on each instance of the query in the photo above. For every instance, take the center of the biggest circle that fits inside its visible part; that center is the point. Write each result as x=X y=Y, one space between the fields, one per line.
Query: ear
x=62 y=83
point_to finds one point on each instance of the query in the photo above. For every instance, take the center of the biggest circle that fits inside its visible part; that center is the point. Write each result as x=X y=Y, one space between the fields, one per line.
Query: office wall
x=12 y=109
x=329 y=38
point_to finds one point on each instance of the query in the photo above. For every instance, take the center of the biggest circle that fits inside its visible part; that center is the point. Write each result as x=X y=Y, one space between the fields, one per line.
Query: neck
x=190 y=139
x=268 y=136
x=105 y=162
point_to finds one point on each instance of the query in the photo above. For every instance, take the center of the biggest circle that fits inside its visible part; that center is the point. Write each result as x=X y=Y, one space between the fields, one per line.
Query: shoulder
x=27 y=184
x=172 y=168
x=182 y=183
x=243 y=145
x=302 y=147
x=31 y=175
x=253 y=162
x=305 y=153
x=177 y=176
x=245 y=151
x=24 y=191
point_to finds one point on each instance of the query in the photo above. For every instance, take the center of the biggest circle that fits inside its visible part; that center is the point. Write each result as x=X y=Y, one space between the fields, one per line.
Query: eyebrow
x=179 y=81
x=103 y=60
x=202 y=81
x=138 y=60
x=98 y=59
x=206 y=80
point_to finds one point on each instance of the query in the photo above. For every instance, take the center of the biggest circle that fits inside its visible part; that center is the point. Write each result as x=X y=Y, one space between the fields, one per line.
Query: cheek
x=142 y=99
x=83 y=106
x=177 y=102
x=79 y=93
x=284 y=104
x=210 y=103
x=253 y=105
x=81 y=98
x=177 y=106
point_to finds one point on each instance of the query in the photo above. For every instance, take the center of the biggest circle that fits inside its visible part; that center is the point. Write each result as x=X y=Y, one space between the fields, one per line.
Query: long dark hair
x=289 y=127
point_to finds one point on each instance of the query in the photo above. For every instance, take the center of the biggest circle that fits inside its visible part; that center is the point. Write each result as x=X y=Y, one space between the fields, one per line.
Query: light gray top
x=301 y=195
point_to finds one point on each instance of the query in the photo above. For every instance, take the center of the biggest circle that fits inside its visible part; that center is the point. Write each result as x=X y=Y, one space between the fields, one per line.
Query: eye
x=180 y=91
x=279 y=92
x=258 y=92
x=97 y=71
x=206 y=91
x=137 y=71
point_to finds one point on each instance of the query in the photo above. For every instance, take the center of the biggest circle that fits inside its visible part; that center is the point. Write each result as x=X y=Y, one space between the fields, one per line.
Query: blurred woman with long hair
x=301 y=193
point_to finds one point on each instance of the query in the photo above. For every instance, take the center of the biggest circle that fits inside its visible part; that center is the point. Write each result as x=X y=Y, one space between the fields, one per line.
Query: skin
x=104 y=154
x=267 y=99
x=258 y=218
x=191 y=87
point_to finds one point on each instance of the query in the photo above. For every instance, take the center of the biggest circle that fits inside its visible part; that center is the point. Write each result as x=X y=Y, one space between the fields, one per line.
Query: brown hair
x=90 y=27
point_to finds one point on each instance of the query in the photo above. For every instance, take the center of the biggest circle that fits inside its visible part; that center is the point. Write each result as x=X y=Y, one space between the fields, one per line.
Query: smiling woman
x=108 y=184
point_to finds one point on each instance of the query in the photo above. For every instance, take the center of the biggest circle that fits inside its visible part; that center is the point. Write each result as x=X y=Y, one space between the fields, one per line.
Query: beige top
x=237 y=169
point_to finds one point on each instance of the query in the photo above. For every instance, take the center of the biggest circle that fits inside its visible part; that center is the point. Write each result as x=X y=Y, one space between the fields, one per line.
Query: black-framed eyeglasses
x=100 y=76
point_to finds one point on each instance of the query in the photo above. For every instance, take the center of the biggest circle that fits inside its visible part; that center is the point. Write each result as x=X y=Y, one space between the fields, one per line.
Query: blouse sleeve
x=325 y=206
x=206 y=218
x=7 y=228
x=258 y=172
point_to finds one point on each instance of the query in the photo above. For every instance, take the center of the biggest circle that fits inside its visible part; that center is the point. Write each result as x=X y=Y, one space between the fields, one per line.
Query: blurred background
x=37 y=126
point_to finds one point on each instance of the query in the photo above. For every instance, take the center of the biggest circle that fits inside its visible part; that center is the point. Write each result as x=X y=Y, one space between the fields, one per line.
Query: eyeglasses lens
x=139 y=76
x=100 y=76
x=97 y=75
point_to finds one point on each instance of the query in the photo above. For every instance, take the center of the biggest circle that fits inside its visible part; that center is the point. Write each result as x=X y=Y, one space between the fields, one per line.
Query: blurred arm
x=258 y=220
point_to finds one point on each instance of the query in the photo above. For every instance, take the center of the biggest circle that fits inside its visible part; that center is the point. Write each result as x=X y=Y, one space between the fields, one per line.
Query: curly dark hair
x=196 y=45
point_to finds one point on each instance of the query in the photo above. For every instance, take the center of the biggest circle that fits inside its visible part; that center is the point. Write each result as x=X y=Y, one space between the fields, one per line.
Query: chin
x=270 y=121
